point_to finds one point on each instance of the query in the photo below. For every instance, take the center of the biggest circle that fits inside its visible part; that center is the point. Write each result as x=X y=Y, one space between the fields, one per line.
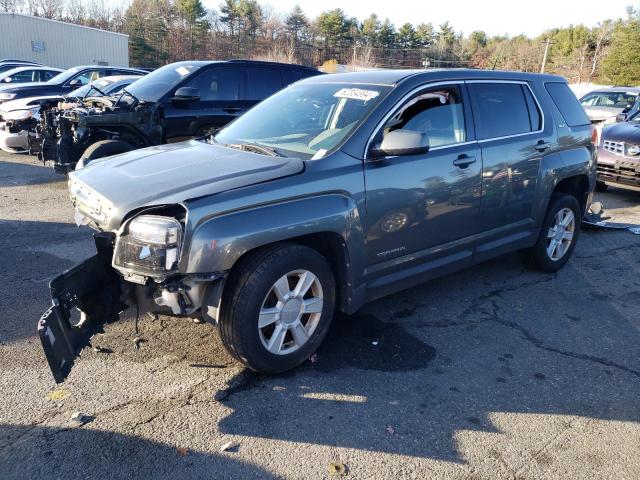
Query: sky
x=493 y=16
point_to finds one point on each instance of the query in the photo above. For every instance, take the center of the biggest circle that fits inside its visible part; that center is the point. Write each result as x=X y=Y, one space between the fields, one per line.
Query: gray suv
x=336 y=191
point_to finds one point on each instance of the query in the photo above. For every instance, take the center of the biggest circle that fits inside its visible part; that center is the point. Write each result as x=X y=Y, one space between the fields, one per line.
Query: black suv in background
x=176 y=102
x=65 y=82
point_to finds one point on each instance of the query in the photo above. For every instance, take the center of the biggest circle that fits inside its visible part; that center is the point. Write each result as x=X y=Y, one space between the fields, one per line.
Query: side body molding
x=218 y=242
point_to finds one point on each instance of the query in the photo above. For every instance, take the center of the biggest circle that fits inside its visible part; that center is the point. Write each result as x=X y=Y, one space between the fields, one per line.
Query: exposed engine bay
x=65 y=131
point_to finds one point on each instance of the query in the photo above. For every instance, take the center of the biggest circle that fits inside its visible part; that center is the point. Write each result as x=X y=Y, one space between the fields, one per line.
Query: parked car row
x=616 y=113
x=335 y=191
x=176 y=102
x=20 y=119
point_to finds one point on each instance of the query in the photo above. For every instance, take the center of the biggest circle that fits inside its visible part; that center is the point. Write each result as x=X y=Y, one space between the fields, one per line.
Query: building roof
x=74 y=25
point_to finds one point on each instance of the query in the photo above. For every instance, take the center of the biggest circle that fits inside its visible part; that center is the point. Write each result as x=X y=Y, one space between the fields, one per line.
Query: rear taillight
x=595 y=134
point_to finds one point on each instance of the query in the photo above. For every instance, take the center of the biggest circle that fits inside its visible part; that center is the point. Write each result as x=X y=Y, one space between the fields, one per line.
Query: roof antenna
x=495 y=63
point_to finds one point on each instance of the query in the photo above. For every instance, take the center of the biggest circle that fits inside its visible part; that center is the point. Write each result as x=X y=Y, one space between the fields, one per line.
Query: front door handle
x=463 y=161
x=541 y=146
x=231 y=109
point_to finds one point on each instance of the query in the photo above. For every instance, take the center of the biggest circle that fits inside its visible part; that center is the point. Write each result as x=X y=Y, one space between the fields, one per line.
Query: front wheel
x=558 y=235
x=277 y=307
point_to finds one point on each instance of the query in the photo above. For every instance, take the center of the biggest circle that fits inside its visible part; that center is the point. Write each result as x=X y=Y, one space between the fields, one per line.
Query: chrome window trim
x=459 y=82
x=400 y=103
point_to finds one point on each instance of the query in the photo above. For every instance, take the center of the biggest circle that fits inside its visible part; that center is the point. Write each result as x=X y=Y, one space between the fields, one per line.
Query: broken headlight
x=150 y=246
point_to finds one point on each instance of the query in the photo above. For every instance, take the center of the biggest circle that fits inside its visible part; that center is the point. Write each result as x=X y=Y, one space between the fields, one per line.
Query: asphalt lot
x=493 y=373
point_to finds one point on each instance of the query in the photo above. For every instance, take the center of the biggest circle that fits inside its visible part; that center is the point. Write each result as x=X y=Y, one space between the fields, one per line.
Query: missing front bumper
x=93 y=287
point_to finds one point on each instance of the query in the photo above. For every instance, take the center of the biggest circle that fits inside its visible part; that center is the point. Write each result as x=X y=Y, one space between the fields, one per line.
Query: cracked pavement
x=492 y=373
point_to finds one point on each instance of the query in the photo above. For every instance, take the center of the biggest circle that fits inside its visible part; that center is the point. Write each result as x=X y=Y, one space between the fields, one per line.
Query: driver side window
x=437 y=113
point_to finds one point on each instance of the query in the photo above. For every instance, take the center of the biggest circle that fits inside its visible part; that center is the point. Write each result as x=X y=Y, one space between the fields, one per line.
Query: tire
x=101 y=149
x=538 y=256
x=251 y=288
x=601 y=187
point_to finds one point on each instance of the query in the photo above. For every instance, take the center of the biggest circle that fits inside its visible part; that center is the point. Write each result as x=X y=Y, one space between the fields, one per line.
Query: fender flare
x=216 y=243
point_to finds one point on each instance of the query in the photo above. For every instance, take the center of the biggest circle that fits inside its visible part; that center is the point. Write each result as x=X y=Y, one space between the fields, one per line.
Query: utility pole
x=546 y=52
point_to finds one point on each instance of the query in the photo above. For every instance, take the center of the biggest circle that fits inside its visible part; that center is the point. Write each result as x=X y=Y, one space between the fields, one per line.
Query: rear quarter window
x=568 y=104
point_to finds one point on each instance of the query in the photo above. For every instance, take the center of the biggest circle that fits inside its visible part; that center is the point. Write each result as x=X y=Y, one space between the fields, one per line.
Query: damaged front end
x=65 y=132
x=137 y=268
x=93 y=288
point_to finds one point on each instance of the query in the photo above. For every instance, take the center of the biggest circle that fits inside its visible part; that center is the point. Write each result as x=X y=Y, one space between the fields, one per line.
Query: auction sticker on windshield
x=182 y=71
x=356 y=94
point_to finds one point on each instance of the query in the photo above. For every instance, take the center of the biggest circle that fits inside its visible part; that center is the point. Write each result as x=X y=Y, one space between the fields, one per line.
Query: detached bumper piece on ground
x=92 y=287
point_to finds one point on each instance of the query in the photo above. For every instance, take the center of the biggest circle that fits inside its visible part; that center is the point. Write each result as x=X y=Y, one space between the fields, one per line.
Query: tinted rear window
x=262 y=83
x=500 y=109
x=568 y=104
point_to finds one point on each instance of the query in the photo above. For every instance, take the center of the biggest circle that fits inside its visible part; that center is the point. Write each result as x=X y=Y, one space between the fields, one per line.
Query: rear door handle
x=231 y=109
x=541 y=146
x=463 y=161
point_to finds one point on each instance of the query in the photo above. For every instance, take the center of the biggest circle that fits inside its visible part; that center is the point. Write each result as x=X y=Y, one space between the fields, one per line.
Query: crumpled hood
x=627 y=132
x=108 y=189
x=598 y=114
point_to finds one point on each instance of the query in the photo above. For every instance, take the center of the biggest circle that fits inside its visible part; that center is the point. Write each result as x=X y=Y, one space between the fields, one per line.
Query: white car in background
x=17 y=141
x=28 y=74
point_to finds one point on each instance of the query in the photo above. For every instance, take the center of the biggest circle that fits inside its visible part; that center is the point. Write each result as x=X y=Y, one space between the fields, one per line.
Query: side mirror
x=621 y=117
x=76 y=82
x=184 y=94
x=8 y=80
x=399 y=143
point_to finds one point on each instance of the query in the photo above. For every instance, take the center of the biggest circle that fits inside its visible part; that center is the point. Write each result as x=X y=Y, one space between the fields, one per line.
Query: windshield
x=102 y=85
x=609 y=99
x=152 y=87
x=64 y=76
x=305 y=120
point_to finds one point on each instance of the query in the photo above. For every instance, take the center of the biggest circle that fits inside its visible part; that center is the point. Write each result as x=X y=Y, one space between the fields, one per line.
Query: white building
x=60 y=44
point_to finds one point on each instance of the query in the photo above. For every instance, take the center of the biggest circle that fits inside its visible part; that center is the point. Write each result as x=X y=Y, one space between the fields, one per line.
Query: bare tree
x=75 y=11
x=603 y=35
x=11 y=6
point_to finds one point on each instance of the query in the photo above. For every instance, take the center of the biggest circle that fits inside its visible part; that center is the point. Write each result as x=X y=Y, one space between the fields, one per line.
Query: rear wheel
x=101 y=149
x=277 y=307
x=558 y=235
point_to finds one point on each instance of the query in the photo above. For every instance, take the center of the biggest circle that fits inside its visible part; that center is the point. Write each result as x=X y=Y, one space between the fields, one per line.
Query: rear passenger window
x=500 y=109
x=568 y=104
x=217 y=84
x=262 y=83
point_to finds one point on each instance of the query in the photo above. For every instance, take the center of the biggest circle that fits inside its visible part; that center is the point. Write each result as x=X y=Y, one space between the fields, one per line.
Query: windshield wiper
x=93 y=87
x=127 y=92
x=255 y=147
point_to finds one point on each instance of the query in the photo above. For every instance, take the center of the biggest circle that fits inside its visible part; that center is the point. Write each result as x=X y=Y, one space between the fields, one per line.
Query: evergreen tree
x=296 y=23
x=621 y=66
x=406 y=37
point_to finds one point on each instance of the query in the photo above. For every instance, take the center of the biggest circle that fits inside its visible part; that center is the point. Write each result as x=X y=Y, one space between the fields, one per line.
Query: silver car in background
x=604 y=105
